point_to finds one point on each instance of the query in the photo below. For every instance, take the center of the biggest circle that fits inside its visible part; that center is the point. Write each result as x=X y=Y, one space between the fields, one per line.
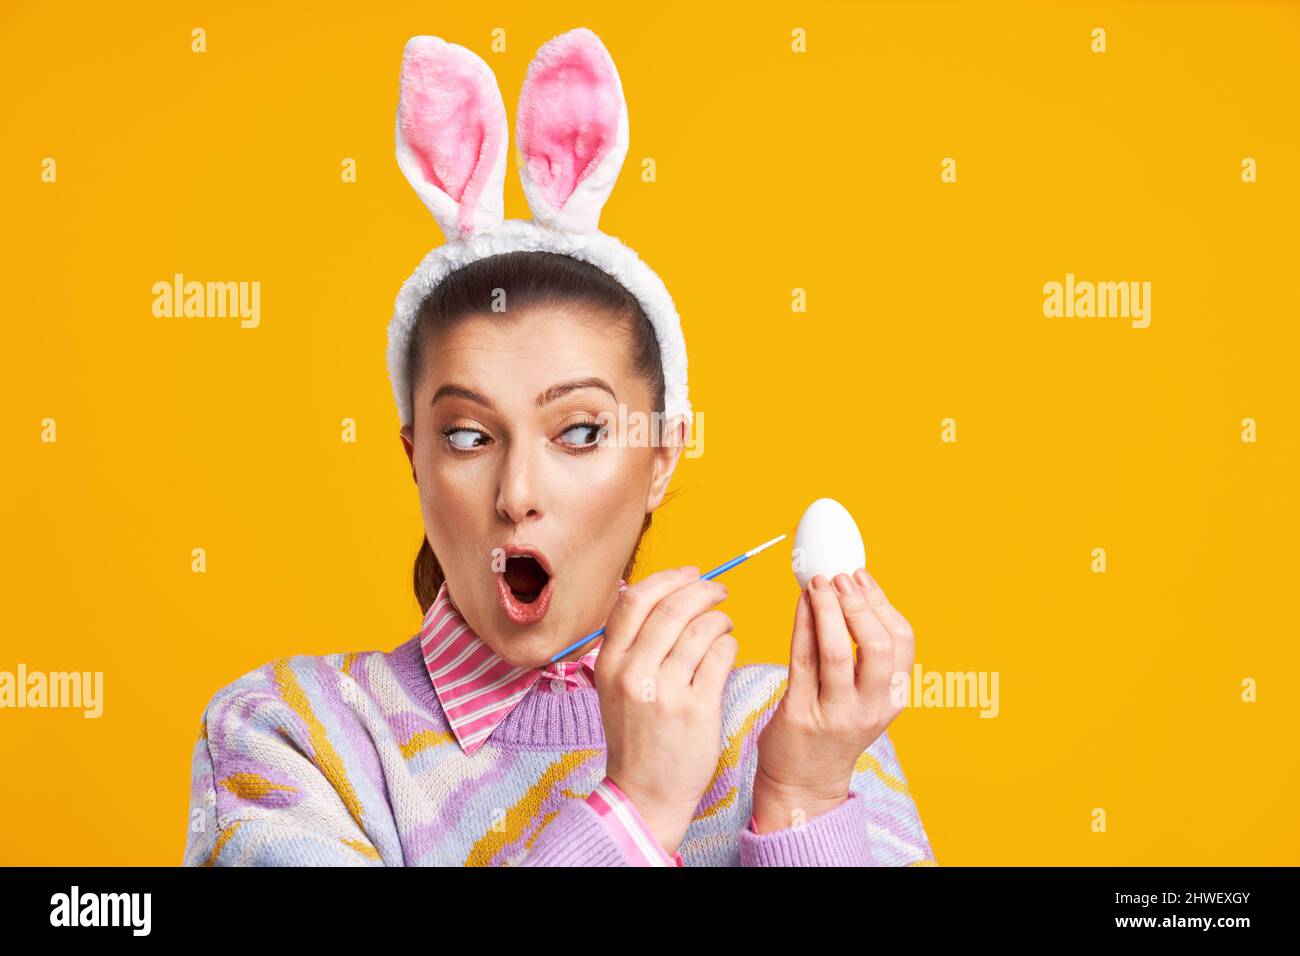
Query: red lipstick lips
x=524 y=588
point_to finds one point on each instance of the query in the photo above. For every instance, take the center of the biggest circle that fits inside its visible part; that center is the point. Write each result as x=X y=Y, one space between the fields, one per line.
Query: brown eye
x=450 y=434
x=593 y=430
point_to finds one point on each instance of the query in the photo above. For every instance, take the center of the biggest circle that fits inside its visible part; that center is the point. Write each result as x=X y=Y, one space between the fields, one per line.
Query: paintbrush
x=703 y=577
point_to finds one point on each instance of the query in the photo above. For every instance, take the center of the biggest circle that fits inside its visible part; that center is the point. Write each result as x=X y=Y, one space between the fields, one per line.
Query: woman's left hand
x=834 y=707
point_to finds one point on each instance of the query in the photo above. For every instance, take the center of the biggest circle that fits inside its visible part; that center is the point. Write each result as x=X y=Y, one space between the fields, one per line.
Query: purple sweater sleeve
x=876 y=825
x=838 y=837
x=577 y=836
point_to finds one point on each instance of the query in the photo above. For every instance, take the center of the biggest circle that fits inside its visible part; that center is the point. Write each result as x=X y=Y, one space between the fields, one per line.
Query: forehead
x=514 y=357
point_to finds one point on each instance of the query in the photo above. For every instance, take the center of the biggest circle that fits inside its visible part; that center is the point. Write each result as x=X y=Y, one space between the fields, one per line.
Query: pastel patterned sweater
x=350 y=760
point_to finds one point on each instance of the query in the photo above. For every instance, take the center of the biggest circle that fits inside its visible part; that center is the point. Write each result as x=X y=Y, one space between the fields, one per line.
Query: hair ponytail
x=428 y=576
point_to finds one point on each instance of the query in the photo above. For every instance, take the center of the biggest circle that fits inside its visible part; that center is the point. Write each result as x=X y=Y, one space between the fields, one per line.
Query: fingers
x=802 y=688
x=685 y=656
x=834 y=643
x=635 y=604
x=899 y=629
x=711 y=676
x=670 y=617
x=875 y=643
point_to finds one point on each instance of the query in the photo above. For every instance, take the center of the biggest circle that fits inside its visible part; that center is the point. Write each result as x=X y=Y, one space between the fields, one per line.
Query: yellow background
x=775 y=171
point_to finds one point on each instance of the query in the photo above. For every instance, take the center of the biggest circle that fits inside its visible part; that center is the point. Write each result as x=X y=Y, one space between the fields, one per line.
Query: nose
x=519 y=488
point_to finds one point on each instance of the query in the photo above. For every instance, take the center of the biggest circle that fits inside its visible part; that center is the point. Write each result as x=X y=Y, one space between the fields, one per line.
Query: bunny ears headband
x=572 y=135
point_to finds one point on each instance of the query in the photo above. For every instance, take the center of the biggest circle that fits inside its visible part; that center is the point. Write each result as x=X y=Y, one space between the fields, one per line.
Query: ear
x=666 y=455
x=572 y=131
x=452 y=135
x=407 y=435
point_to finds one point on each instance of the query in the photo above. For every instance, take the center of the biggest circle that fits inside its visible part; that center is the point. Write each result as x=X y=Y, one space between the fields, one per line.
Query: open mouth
x=525 y=577
x=524 y=588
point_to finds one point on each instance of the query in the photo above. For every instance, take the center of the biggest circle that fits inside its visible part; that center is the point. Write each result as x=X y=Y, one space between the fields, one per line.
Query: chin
x=527 y=647
x=515 y=637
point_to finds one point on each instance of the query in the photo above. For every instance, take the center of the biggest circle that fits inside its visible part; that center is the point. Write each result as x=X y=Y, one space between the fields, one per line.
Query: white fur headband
x=572 y=133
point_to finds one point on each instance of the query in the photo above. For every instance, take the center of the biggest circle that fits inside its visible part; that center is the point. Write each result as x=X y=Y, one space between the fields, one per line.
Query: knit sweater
x=478 y=688
x=349 y=760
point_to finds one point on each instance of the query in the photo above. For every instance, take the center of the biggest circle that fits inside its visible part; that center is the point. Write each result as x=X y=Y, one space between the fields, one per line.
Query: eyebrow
x=558 y=390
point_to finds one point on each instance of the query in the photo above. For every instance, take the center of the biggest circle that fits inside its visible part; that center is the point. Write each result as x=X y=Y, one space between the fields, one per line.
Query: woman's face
x=503 y=447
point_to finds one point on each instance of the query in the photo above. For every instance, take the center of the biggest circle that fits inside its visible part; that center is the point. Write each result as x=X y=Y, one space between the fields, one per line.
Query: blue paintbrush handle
x=703 y=577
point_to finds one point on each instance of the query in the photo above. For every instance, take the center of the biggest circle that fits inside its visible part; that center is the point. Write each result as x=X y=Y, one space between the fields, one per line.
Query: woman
x=539 y=372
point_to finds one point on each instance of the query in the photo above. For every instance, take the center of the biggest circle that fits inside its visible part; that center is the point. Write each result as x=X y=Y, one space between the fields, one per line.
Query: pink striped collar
x=476 y=687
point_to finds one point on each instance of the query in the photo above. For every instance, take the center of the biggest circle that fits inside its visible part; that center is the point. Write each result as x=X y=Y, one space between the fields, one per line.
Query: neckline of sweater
x=543 y=720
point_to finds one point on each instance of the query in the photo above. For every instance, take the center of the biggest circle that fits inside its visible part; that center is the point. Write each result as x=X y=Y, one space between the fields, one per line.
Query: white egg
x=827 y=542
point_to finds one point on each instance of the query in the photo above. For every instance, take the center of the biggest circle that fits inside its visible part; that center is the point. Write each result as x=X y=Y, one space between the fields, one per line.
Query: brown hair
x=530 y=280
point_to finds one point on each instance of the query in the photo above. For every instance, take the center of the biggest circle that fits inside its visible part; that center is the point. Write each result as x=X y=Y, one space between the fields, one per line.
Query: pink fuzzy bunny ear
x=572 y=131
x=452 y=134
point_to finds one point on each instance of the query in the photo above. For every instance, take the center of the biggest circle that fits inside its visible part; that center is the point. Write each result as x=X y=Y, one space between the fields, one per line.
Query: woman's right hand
x=660 y=675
